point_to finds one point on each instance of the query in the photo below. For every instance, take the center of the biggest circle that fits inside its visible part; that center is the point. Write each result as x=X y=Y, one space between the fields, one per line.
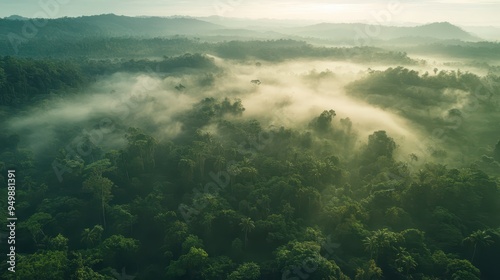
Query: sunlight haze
x=462 y=12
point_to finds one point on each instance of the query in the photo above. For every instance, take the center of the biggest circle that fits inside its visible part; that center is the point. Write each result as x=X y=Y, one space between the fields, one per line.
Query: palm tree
x=219 y=163
x=36 y=223
x=234 y=170
x=91 y=236
x=186 y=167
x=422 y=175
x=151 y=144
x=247 y=225
x=405 y=261
x=381 y=240
x=100 y=187
x=28 y=183
x=142 y=146
x=479 y=237
x=199 y=153
x=316 y=175
x=371 y=245
x=496 y=152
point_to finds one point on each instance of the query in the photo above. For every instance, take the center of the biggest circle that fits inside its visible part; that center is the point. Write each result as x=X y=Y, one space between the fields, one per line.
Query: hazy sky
x=464 y=12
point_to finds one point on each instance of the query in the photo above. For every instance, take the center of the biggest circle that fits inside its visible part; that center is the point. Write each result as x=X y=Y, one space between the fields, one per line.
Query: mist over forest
x=217 y=148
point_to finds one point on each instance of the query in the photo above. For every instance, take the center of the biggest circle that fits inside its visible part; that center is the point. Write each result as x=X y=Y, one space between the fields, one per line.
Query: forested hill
x=108 y=25
x=334 y=31
x=22 y=79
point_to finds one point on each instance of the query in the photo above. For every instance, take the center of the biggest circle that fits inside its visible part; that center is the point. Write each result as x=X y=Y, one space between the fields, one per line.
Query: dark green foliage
x=295 y=213
x=23 y=79
x=31 y=78
x=496 y=153
x=232 y=198
x=324 y=121
x=43 y=265
x=379 y=145
x=415 y=96
x=246 y=271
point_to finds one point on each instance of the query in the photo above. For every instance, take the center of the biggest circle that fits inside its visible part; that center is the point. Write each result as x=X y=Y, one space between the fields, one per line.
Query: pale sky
x=462 y=12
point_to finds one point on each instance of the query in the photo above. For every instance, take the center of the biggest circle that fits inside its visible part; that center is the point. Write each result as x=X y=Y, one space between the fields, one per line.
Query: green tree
x=247 y=225
x=141 y=146
x=122 y=218
x=218 y=268
x=101 y=188
x=478 y=238
x=190 y=242
x=59 y=243
x=119 y=251
x=192 y=264
x=369 y=271
x=382 y=241
x=301 y=259
x=246 y=271
x=92 y=237
x=496 y=152
x=323 y=123
x=44 y=265
x=36 y=224
x=175 y=235
x=405 y=262
x=379 y=144
x=447 y=267
x=186 y=167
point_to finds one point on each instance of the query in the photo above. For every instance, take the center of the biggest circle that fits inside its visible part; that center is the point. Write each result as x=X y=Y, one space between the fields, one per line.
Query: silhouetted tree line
x=268 y=50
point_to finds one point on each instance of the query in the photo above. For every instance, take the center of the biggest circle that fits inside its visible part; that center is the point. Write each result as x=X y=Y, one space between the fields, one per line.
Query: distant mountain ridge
x=356 y=31
x=16 y=17
x=490 y=33
x=113 y=25
x=110 y=25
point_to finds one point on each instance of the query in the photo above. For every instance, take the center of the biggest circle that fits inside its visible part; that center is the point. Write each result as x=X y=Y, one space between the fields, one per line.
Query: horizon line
x=397 y=24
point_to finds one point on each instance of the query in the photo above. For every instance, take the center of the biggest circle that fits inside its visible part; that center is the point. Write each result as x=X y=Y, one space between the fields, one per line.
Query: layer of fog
x=291 y=94
x=121 y=99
